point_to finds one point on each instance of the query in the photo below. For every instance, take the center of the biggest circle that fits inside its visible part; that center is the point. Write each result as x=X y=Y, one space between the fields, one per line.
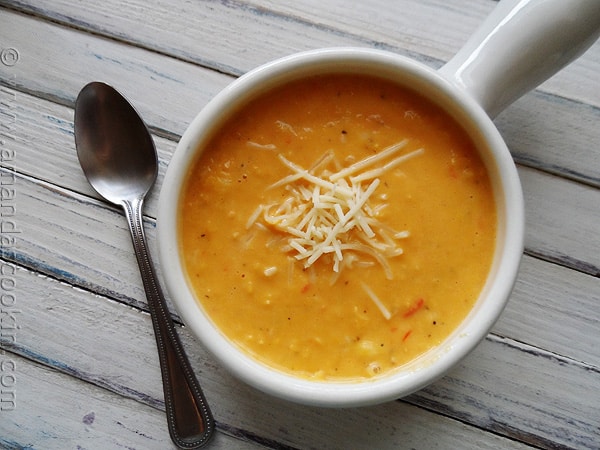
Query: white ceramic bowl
x=462 y=89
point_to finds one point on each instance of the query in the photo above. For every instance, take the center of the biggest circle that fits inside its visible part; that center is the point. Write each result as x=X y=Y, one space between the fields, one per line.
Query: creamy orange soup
x=338 y=227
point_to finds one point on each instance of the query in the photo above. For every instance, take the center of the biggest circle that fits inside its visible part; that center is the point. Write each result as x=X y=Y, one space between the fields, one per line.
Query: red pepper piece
x=413 y=309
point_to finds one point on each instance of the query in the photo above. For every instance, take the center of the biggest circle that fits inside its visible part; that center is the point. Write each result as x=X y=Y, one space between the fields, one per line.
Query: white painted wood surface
x=78 y=366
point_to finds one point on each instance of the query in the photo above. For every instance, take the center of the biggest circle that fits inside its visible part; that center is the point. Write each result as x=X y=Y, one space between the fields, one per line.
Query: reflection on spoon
x=119 y=159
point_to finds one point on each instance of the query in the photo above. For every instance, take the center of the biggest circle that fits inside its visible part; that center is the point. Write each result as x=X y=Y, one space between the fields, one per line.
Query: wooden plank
x=553 y=134
x=231 y=37
x=100 y=330
x=563 y=220
x=419 y=27
x=538 y=128
x=166 y=91
x=534 y=402
x=555 y=309
x=85 y=244
x=430 y=30
x=53 y=410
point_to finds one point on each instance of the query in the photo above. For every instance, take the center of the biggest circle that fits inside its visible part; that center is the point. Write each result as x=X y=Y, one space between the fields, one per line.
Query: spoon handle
x=188 y=416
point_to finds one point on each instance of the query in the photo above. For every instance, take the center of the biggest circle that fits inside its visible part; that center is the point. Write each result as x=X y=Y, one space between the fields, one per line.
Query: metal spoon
x=119 y=159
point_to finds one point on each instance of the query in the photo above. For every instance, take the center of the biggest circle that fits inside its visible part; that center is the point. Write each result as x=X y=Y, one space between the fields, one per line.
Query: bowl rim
x=428 y=367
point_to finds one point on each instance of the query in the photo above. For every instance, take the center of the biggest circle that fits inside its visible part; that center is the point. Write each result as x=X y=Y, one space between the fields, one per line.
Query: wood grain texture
x=58 y=411
x=555 y=309
x=88 y=373
x=166 y=91
x=200 y=32
x=535 y=130
x=559 y=423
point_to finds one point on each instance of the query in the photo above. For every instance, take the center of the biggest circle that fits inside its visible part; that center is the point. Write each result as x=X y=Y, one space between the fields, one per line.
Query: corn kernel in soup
x=338 y=227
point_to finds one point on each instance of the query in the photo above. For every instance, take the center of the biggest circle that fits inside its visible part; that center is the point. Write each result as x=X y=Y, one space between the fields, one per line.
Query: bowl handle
x=521 y=44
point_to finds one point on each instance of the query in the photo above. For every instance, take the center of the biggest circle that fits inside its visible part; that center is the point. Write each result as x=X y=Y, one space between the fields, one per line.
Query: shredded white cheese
x=329 y=213
x=261 y=146
x=384 y=311
x=270 y=271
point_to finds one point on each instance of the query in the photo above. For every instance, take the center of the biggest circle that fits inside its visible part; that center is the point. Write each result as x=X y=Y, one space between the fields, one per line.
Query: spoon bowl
x=114 y=147
x=118 y=157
